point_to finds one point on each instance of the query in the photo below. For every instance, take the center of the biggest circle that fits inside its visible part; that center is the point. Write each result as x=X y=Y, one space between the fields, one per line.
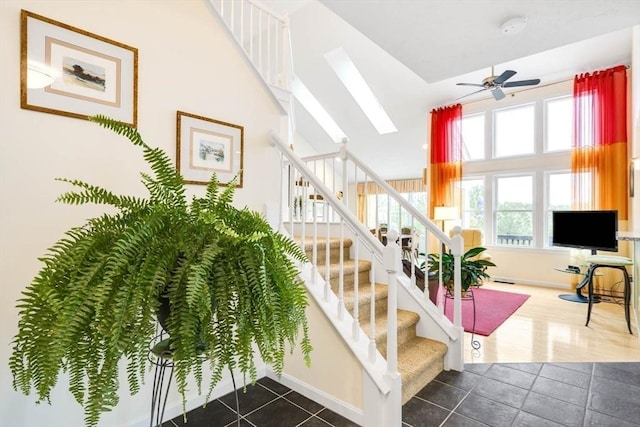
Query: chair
x=382 y=234
x=608 y=261
x=472 y=239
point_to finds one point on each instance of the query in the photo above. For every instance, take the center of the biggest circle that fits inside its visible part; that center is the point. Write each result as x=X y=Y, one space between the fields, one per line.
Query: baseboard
x=310 y=392
x=225 y=386
x=514 y=280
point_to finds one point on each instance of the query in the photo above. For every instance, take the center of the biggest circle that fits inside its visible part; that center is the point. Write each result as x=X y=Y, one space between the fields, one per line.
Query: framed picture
x=206 y=146
x=68 y=71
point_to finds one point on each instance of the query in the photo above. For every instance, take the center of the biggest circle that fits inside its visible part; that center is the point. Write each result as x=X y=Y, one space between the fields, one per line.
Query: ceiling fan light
x=513 y=25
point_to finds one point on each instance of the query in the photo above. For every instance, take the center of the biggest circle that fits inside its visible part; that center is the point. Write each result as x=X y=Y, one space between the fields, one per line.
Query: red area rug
x=492 y=309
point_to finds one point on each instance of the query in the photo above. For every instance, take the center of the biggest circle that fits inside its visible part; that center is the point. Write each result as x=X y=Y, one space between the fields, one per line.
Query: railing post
x=457 y=245
x=392 y=264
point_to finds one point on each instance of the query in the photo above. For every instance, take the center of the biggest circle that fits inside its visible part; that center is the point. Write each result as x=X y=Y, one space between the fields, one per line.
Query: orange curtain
x=446 y=157
x=599 y=156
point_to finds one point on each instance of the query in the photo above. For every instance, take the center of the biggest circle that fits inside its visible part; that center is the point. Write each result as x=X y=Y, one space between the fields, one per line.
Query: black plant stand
x=160 y=356
x=475 y=344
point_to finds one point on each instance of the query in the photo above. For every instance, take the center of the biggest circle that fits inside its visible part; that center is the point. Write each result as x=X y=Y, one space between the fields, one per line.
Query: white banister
x=373 y=184
x=266 y=33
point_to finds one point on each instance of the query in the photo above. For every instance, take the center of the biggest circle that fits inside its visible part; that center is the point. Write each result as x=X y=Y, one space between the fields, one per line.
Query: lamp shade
x=444 y=213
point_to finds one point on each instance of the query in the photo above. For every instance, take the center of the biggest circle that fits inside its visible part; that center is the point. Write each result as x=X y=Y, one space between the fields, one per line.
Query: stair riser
x=404 y=335
x=334 y=255
x=364 y=309
x=363 y=280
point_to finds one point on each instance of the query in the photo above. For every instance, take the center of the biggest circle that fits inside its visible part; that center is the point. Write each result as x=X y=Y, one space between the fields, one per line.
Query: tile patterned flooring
x=484 y=394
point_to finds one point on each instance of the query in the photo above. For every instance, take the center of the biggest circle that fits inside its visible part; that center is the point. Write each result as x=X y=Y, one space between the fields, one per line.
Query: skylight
x=317 y=111
x=347 y=72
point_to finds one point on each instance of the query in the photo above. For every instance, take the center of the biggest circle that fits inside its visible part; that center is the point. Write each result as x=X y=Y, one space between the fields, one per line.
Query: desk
x=634 y=236
x=577 y=297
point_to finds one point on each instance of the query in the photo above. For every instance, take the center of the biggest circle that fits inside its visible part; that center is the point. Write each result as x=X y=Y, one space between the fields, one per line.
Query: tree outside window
x=514 y=210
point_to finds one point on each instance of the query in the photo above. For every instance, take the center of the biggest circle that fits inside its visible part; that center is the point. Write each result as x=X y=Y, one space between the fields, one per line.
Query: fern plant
x=230 y=281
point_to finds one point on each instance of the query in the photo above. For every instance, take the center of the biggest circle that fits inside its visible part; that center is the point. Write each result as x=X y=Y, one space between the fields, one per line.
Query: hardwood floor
x=548 y=329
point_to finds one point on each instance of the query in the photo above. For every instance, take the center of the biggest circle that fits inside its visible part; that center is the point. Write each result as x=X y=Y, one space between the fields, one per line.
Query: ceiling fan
x=495 y=84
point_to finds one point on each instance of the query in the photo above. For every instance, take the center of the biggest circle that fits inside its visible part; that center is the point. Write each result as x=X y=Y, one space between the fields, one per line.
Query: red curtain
x=599 y=156
x=446 y=157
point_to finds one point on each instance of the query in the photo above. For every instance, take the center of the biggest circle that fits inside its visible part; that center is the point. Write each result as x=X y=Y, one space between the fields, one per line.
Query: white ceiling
x=412 y=52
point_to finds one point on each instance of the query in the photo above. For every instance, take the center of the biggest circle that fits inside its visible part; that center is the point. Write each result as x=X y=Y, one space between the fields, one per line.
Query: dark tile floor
x=525 y=394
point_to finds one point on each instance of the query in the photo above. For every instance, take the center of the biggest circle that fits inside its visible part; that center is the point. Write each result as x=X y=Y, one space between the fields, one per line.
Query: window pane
x=473 y=203
x=558 y=124
x=558 y=198
x=473 y=137
x=514 y=131
x=559 y=191
x=514 y=211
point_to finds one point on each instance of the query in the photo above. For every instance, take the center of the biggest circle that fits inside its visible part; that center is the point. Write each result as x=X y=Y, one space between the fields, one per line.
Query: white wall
x=187 y=62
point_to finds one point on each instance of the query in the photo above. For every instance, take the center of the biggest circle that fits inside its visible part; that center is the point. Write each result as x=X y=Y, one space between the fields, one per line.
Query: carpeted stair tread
x=420 y=360
x=349 y=270
x=381 y=293
x=407 y=321
x=334 y=243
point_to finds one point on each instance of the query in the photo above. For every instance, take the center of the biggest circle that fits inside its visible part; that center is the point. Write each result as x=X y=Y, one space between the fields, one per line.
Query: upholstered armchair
x=472 y=239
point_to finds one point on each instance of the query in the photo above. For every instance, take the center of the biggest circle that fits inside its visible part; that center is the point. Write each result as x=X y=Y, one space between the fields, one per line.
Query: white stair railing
x=317 y=196
x=342 y=171
x=263 y=34
x=316 y=215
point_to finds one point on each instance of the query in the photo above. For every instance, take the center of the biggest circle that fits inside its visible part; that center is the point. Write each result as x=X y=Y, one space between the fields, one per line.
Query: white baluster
x=372 y=309
x=356 y=309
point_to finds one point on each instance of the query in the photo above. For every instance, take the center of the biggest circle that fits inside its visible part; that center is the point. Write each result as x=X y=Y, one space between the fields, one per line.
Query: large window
x=514 y=131
x=382 y=209
x=473 y=137
x=514 y=210
x=516 y=171
x=473 y=203
x=558 y=198
x=558 y=122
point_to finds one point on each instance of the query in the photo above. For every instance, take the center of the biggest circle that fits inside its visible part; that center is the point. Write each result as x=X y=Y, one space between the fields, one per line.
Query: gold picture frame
x=205 y=146
x=71 y=72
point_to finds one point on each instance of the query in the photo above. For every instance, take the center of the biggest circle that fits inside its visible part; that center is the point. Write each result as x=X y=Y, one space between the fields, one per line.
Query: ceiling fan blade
x=472 y=93
x=522 y=83
x=504 y=77
x=497 y=93
x=470 y=84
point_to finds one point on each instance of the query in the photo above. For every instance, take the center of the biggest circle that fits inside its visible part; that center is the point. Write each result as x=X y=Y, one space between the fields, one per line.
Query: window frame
x=539 y=164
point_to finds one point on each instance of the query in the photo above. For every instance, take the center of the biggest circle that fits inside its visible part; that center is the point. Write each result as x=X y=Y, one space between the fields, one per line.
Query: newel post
x=457 y=245
x=392 y=262
x=456 y=251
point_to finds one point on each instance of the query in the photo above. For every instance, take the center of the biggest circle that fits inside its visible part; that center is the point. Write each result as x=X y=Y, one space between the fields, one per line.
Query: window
x=514 y=131
x=558 y=198
x=558 y=122
x=514 y=210
x=382 y=209
x=473 y=203
x=473 y=137
x=525 y=172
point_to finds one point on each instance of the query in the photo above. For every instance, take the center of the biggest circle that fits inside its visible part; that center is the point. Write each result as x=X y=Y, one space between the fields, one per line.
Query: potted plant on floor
x=228 y=279
x=473 y=269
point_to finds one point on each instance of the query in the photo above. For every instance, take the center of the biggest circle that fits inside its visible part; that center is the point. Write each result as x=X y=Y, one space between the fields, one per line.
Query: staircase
x=409 y=340
x=419 y=359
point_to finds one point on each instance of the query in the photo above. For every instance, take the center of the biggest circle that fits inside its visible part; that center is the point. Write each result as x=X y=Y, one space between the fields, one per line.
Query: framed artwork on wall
x=68 y=71
x=206 y=146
